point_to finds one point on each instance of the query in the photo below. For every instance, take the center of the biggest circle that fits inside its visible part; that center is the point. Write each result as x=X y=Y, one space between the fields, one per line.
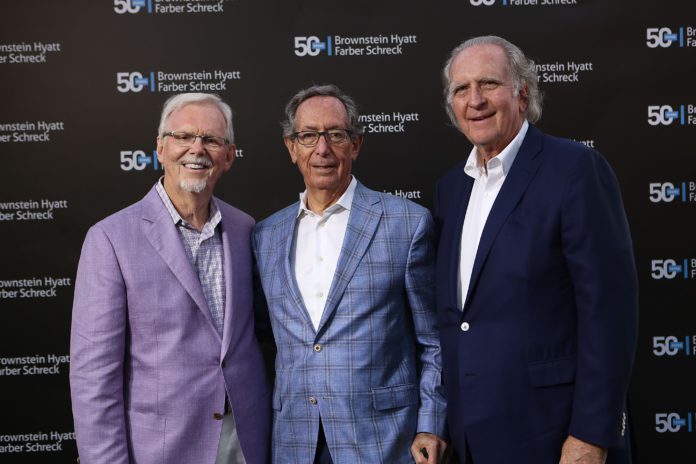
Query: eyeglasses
x=332 y=137
x=186 y=139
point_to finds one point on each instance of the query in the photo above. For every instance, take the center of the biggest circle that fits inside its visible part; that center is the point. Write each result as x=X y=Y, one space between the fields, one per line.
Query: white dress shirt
x=316 y=247
x=488 y=180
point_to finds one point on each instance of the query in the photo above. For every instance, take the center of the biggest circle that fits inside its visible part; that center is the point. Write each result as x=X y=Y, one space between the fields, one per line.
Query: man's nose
x=197 y=144
x=322 y=146
x=476 y=97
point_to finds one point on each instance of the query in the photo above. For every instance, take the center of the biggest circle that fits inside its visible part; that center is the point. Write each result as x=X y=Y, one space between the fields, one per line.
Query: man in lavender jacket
x=165 y=366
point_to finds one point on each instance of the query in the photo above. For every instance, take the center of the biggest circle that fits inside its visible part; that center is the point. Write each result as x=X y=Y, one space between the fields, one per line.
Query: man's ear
x=356 y=144
x=160 y=148
x=292 y=148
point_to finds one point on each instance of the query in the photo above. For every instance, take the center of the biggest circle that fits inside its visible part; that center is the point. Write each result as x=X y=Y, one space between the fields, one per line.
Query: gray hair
x=324 y=90
x=521 y=69
x=180 y=100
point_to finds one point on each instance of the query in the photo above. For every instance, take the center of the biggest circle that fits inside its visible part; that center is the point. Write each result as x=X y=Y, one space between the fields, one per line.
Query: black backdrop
x=82 y=84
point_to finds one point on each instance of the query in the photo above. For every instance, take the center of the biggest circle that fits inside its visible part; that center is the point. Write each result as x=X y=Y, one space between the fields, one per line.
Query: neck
x=192 y=207
x=319 y=200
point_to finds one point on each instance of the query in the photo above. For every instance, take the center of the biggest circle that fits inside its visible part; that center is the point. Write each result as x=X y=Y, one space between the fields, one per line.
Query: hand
x=579 y=452
x=428 y=448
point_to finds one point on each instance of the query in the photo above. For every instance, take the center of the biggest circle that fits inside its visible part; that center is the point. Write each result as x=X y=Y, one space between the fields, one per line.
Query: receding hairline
x=336 y=100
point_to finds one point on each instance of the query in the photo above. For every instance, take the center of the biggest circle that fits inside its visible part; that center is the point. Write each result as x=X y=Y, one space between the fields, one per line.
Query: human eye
x=213 y=141
x=338 y=135
x=182 y=136
x=307 y=137
x=489 y=84
x=460 y=89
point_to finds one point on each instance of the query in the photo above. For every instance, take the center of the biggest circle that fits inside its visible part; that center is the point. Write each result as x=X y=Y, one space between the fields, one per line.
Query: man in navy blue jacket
x=537 y=288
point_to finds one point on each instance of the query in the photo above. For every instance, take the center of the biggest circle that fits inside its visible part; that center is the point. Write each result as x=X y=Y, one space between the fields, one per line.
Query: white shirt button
x=320 y=294
x=464 y=326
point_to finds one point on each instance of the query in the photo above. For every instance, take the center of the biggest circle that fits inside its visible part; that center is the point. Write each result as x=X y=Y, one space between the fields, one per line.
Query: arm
x=97 y=343
x=598 y=250
x=420 y=291
x=262 y=320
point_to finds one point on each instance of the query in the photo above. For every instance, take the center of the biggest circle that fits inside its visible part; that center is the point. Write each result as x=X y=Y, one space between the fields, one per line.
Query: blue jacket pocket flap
x=394 y=397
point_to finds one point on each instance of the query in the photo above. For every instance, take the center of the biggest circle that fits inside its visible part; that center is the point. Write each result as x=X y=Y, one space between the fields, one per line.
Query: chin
x=193 y=186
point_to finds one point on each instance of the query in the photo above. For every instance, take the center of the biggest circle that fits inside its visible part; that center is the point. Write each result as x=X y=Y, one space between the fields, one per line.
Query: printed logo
x=49 y=364
x=394 y=122
x=27 y=132
x=671 y=345
x=668 y=192
x=410 y=194
x=39 y=442
x=29 y=53
x=589 y=143
x=673 y=269
x=138 y=160
x=46 y=287
x=563 y=71
x=159 y=81
x=664 y=37
x=336 y=45
x=524 y=2
x=30 y=210
x=169 y=7
x=673 y=422
x=665 y=115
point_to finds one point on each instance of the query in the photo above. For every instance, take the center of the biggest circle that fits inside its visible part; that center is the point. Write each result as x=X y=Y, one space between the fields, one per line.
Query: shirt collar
x=345 y=201
x=214 y=216
x=505 y=157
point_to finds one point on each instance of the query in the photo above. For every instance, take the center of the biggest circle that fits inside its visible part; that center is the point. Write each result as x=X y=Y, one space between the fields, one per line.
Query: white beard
x=193 y=186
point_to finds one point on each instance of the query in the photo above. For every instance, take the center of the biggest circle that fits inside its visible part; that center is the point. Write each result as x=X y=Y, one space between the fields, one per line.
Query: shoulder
x=121 y=220
x=286 y=214
x=399 y=215
x=390 y=203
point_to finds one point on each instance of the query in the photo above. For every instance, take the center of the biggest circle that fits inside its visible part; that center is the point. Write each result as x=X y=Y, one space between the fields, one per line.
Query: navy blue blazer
x=545 y=343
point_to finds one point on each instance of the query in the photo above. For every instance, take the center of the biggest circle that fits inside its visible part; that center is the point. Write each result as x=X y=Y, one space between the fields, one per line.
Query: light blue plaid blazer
x=371 y=371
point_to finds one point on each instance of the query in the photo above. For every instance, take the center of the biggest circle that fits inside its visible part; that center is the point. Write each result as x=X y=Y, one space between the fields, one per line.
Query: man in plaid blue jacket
x=347 y=275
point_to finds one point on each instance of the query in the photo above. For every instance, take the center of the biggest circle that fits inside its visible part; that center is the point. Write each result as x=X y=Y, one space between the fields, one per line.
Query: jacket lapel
x=462 y=194
x=284 y=233
x=163 y=236
x=521 y=173
x=364 y=217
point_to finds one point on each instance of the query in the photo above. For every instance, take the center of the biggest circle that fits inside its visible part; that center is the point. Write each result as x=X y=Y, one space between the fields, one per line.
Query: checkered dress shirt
x=204 y=250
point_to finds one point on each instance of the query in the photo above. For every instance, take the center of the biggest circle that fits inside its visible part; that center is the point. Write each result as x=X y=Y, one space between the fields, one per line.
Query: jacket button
x=312 y=400
x=317 y=347
x=217 y=416
x=464 y=326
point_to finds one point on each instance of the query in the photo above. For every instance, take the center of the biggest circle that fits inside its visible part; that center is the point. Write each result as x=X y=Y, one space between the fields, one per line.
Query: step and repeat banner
x=82 y=85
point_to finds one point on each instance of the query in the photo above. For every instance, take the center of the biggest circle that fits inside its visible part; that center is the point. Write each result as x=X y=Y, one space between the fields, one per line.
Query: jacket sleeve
x=97 y=344
x=597 y=247
x=420 y=291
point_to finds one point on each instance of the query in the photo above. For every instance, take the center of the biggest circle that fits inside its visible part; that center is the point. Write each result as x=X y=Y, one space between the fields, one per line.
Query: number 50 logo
x=660 y=37
x=482 y=2
x=664 y=115
x=131 y=82
x=311 y=46
x=129 y=6
x=663 y=191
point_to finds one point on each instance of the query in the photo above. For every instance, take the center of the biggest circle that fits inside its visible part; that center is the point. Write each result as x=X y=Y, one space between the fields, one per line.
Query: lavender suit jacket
x=148 y=370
